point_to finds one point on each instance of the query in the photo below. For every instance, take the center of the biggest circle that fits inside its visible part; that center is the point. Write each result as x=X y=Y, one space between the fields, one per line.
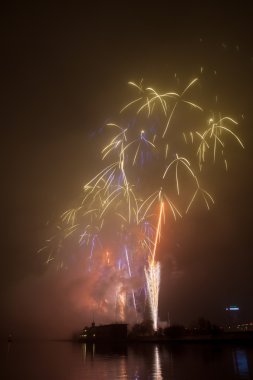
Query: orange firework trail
x=158 y=232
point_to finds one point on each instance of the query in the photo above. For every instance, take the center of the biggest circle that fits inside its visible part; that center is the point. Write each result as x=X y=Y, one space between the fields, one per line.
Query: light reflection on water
x=72 y=361
x=241 y=363
x=157 y=371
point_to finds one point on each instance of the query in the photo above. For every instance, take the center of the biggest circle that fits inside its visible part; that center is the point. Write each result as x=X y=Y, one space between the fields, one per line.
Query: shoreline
x=224 y=338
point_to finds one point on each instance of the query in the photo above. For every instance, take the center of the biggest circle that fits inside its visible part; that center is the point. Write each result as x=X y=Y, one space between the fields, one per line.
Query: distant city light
x=232 y=308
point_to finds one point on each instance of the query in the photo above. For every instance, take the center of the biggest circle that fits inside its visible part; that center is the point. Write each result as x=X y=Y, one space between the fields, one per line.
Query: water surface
x=72 y=361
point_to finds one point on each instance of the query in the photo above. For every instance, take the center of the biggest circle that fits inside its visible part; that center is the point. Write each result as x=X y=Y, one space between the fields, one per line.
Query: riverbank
x=225 y=337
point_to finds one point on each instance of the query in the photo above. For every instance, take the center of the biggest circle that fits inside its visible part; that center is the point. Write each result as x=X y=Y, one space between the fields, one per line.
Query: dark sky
x=64 y=74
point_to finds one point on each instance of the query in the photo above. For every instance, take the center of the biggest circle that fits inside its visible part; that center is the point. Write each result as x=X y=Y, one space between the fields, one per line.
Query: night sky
x=64 y=75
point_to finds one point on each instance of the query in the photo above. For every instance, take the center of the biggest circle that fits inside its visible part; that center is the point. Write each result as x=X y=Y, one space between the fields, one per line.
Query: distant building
x=232 y=316
x=245 y=326
x=105 y=333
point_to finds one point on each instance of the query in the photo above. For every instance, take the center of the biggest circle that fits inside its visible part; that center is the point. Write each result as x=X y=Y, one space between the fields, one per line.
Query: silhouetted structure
x=104 y=333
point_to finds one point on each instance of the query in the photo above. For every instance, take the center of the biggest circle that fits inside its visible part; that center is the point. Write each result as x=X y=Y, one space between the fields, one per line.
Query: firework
x=146 y=159
x=152 y=273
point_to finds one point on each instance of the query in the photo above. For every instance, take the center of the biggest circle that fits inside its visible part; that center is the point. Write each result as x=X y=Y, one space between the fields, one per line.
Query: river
x=72 y=361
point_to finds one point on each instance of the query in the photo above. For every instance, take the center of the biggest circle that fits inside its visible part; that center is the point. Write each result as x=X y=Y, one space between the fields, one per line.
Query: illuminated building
x=232 y=315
